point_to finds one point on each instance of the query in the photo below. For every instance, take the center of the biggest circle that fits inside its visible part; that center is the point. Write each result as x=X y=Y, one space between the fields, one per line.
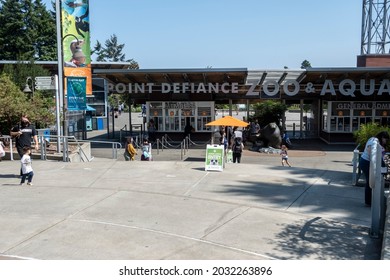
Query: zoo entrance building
x=340 y=99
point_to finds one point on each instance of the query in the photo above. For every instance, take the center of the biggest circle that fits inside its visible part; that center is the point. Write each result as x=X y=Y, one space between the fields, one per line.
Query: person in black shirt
x=188 y=129
x=23 y=133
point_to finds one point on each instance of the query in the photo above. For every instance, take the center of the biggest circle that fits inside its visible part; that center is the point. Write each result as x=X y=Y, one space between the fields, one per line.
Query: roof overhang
x=197 y=75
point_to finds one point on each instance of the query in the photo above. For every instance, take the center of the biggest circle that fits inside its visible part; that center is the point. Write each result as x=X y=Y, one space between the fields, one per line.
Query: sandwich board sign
x=214 y=157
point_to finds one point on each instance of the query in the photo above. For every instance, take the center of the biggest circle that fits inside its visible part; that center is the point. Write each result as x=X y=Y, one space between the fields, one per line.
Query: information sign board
x=214 y=157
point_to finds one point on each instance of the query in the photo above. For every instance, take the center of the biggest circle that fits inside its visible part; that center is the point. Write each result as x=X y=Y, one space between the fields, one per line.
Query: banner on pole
x=76 y=92
x=76 y=40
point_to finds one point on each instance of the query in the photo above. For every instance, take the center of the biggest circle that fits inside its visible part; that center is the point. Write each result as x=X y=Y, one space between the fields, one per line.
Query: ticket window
x=383 y=117
x=156 y=113
x=187 y=117
x=361 y=117
x=204 y=117
x=340 y=121
x=172 y=120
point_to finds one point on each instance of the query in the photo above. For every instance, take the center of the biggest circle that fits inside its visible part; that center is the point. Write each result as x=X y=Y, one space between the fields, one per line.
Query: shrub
x=366 y=131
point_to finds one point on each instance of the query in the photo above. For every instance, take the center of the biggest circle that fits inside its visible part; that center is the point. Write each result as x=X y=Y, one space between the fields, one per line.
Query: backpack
x=237 y=146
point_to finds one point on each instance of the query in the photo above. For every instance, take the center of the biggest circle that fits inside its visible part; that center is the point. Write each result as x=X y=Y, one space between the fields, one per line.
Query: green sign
x=76 y=92
x=214 y=157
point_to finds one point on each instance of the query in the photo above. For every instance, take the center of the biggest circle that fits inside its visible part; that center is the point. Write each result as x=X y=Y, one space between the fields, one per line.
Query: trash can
x=100 y=124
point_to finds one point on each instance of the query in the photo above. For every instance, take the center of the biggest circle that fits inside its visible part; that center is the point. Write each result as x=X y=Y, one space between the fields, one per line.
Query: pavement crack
x=218 y=225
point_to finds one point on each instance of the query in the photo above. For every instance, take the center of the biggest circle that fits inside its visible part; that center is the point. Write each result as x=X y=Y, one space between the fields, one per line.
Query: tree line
x=28 y=34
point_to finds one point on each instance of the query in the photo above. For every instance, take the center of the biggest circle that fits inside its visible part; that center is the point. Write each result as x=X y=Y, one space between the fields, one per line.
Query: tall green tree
x=112 y=51
x=26 y=31
x=13 y=103
x=40 y=107
x=19 y=72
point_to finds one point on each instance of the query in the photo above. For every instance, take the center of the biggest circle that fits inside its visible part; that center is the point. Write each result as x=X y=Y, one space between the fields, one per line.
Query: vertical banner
x=76 y=40
x=77 y=98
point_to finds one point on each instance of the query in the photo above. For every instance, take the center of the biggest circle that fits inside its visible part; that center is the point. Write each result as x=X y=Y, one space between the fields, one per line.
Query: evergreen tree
x=112 y=51
x=305 y=64
x=46 y=40
x=26 y=31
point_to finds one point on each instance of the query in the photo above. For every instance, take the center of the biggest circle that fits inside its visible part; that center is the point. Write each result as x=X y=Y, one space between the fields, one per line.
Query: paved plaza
x=175 y=210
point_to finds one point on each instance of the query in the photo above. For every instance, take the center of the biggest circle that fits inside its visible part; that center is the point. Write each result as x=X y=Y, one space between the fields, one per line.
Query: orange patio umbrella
x=228 y=121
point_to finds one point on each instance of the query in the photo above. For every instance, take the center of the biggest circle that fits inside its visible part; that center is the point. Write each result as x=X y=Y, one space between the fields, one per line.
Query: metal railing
x=63 y=144
x=376 y=182
x=165 y=144
x=378 y=206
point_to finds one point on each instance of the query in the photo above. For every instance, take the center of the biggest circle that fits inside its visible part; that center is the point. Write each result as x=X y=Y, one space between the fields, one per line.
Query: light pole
x=27 y=88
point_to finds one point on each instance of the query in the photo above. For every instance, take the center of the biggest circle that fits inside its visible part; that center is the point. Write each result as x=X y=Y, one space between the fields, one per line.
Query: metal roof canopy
x=260 y=77
x=243 y=76
x=118 y=72
x=201 y=75
x=319 y=75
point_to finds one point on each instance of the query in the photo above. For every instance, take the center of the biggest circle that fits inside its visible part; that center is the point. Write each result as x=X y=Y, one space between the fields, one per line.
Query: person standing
x=152 y=131
x=237 y=149
x=23 y=133
x=254 y=127
x=364 y=162
x=26 y=166
x=188 y=129
x=229 y=136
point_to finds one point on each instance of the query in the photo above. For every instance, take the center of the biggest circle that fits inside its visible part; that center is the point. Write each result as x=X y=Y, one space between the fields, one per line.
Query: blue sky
x=255 y=34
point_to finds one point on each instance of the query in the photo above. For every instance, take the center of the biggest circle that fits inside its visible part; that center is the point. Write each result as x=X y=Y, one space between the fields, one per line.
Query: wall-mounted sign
x=270 y=88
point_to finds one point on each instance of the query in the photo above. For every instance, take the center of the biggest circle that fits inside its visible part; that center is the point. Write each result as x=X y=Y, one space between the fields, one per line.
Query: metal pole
x=301 y=119
x=376 y=184
x=60 y=67
x=58 y=113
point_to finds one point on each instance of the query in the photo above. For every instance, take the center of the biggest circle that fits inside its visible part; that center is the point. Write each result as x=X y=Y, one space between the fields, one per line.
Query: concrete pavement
x=172 y=209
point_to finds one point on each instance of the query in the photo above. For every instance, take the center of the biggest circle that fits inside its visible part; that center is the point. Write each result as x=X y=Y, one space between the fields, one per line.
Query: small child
x=27 y=171
x=130 y=151
x=284 y=155
x=146 y=151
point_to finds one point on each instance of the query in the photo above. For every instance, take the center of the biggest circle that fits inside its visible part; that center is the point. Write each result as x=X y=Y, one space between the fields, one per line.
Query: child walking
x=27 y=170
x=284 y=155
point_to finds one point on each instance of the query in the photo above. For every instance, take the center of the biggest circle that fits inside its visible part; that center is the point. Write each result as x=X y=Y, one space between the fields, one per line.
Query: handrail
x=64 y=141
x=65 y=147
x=115 y=146
x=124 y=128
x=376 y=182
